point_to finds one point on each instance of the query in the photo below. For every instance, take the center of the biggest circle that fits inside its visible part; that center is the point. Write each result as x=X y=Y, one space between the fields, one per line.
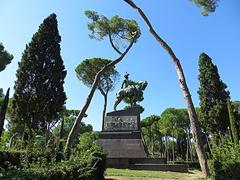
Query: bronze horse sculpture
x=133 y=92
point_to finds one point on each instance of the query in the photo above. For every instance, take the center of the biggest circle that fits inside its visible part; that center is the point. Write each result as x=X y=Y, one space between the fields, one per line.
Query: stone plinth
x=121 y=136
x=123 y=144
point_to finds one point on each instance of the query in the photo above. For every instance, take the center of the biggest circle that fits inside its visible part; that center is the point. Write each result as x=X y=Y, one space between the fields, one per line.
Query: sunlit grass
x=126 y=174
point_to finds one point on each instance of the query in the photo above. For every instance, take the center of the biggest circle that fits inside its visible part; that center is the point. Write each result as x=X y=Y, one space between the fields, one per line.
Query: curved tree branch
x=112 y=44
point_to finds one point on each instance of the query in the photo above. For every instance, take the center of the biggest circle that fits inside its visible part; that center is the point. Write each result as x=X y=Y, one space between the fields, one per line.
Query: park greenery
x=45 y=140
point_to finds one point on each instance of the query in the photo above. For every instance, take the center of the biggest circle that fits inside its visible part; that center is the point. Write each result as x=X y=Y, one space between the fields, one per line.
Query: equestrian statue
x=131 y=90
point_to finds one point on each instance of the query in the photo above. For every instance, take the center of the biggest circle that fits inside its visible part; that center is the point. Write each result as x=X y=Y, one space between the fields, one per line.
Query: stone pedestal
x=121 y=136
x=122 y=140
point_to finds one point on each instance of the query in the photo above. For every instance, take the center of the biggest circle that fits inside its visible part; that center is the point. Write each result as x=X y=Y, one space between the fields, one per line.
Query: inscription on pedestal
x=120 y=123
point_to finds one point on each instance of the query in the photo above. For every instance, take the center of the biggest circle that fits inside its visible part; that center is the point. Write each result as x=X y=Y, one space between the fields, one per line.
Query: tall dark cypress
x=213 y=97
x=39 y=93
x=233 y=122
x=3 y=111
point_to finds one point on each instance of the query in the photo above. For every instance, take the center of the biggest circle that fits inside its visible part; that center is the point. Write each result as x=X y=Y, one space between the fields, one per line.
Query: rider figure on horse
x=126 y=81
x=132 y=90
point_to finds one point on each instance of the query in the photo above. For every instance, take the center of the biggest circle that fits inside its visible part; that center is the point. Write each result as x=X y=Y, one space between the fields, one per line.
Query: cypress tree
x=39 y=93
x=233 y=125
x=213 y=97
x=3 y=111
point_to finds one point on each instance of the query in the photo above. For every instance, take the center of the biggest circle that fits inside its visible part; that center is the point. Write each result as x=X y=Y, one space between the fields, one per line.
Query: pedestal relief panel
x=120 y=123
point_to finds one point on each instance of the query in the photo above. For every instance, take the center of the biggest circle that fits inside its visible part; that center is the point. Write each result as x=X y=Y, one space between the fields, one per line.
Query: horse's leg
x=131 y=101
x=117 y=102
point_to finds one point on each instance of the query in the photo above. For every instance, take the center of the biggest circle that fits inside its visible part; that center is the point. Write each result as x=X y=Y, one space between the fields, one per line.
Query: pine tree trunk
x=209 y=146
x=187 y=154
x=82 y=112
x=47 y=133
x=167 y=148
x=161 y=147
x=3 y=111
x=61 y=135
x=13 y=140
x=183 y=85
x=104 y=106
x=152 y=140
x=173 y=149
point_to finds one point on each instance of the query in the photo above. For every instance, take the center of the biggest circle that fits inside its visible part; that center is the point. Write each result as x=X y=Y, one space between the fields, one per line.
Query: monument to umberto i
x=121 y=134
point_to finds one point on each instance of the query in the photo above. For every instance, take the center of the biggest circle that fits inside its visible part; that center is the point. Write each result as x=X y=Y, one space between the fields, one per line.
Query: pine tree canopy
x=39 y=93
x=213 y=97
x=119 y=31
x=87 y=70
x=5 y=58
x=208 y=5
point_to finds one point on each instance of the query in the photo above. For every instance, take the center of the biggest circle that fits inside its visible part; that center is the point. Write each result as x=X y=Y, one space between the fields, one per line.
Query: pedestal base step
x=153 y=164
x=161 y=167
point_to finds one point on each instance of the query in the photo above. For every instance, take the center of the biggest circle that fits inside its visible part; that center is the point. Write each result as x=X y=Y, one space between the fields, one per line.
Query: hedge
x=16 y=165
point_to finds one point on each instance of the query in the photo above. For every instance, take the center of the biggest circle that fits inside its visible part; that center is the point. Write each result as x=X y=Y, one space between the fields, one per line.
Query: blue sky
x=179 y=23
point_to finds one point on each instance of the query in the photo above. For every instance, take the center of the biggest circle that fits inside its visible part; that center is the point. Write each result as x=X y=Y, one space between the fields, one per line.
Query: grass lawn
x=126 y=174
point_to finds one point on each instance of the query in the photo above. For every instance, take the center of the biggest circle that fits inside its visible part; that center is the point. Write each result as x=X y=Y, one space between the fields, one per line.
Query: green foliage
x=88 y=140
x=151 y=133
x=5 y=58
x=39 y=95
x=225 y=162
x=14 y=129
x=68 y=123
x=174 y=121
x=87 y=70
x=213 y=97
x=167 y=133
x=10 y=159
x=4 y=139
x=3 y=111
x=208 y=5
x=87 y=161
x=117 y=29
x=88 y=166
x=233 y=123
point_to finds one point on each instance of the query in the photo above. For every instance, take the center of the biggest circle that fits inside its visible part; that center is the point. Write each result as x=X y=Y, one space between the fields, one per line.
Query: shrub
x=225 y=163
x=10 y=158
x=85 y=166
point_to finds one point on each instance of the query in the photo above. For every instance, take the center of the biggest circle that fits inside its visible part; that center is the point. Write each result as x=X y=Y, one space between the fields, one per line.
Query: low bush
x=89 y=165
x=225 y=163
x=10 y=158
